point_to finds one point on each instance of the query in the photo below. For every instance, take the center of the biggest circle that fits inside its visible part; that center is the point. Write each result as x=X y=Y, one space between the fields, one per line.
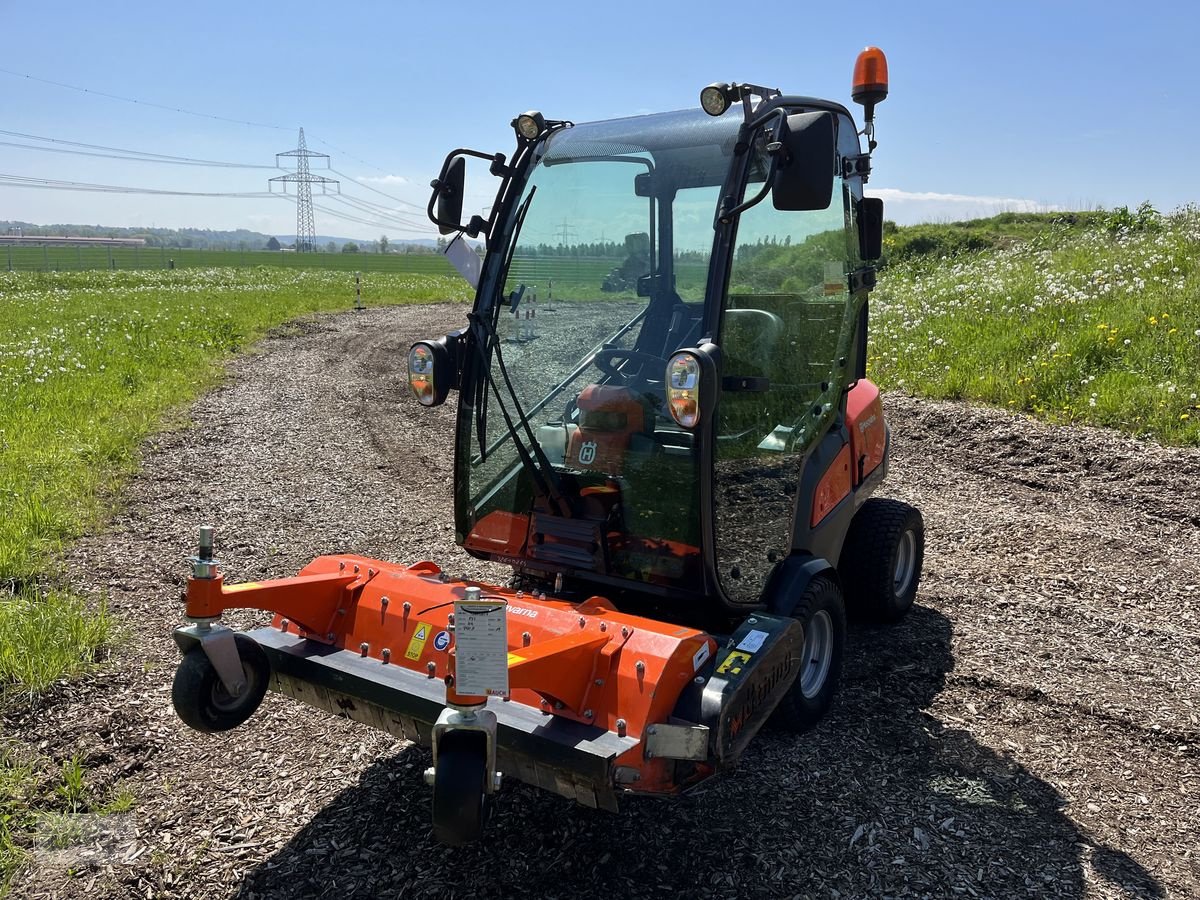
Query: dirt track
x=1033 y=728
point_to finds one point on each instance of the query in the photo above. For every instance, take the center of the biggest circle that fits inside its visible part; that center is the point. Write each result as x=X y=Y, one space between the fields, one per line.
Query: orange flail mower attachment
x=587 y=663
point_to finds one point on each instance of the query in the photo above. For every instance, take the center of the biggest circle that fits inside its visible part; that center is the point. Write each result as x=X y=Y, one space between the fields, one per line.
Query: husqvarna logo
x=587 y=453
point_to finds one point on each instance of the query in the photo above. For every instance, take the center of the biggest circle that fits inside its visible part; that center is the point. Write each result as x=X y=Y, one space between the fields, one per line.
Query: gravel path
x=1033 y=727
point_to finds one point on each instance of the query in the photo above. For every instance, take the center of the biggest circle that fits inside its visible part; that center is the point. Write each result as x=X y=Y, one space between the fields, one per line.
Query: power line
x=368 y=209
x=382 y=226
x=53 y=184
x=130 y=158
x=351 y=156
x=186 y=112
x=376 y=190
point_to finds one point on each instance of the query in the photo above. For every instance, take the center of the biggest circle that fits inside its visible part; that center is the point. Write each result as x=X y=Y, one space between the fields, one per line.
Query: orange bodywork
x=868 y=433
x=833 y=486
x=586 y=662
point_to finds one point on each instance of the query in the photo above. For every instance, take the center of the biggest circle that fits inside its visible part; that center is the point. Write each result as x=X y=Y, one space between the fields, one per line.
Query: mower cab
x=663 y=426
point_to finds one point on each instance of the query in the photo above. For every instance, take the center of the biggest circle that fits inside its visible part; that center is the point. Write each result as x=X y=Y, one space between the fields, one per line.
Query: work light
x=714 y=99
x=530 y=124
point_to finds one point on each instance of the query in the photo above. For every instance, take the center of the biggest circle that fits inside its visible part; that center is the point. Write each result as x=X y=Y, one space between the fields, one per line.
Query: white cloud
x=908 y=207
x=382 y=179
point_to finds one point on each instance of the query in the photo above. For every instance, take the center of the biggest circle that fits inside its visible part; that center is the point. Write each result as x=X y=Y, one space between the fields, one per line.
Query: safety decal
x=417 y=644
x=442 y=641
x=513 y=659
x=753 y=642
x=701 y=657
x=733 y=663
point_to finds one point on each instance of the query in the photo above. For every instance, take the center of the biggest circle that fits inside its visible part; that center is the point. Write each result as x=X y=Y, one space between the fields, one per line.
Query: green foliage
x=414 y=260
x=1095 y=320
x=71 y=789
x=90 y=364
x=15 y=785
x=46 y=635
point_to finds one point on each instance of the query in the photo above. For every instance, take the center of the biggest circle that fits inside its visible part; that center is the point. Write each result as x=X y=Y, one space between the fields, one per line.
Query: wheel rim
x=817 y=654
x=906 y=563
x=225 y=701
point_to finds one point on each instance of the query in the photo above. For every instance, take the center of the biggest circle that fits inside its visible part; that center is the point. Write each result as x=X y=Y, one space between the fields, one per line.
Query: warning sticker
x=733 y=663
x=417 y=644
x=753 y=642
x=513 y=659
x=700 y=657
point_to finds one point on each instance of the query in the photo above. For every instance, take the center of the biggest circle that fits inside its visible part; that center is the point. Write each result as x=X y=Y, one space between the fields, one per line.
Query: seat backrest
x=609 y=417
x=749 y=339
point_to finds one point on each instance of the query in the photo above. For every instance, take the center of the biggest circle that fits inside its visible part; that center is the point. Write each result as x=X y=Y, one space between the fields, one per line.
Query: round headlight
x=714 y=99
x=683 y=389
x=421 y=372
x=530 y=125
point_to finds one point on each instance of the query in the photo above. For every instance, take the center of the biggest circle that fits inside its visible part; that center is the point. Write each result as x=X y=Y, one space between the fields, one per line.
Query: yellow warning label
x=417 y=644
x=513 y=659
x=733 y=663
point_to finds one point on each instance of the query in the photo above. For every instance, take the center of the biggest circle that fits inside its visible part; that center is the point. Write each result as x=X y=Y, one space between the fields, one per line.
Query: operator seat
x=749 y=340
x=612 y=421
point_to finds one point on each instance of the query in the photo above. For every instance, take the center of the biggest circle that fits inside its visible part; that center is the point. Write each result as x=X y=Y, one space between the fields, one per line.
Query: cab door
x=786 y=334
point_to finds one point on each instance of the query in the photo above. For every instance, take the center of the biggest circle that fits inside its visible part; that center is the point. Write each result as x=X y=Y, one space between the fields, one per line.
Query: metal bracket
x=484 y=720
x=676 y=742
x=219 y=646
x=862 y=279
x=856 y=165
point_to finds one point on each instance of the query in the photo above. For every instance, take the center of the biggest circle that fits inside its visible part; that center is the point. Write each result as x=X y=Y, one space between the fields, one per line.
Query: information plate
x=481 y=647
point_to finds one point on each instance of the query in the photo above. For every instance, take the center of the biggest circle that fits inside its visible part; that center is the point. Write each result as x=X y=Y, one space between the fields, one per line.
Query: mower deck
x=569 y=758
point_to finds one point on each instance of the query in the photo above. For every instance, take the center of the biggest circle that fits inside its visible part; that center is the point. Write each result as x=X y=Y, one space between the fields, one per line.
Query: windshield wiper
x=481 y=397
x=541 y=471
x=562 y=385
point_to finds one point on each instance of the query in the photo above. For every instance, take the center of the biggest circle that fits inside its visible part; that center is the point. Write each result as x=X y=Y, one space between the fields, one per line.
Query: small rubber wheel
x=460 y=787
x=882 y=558
x=824 y=617
x=200 y=698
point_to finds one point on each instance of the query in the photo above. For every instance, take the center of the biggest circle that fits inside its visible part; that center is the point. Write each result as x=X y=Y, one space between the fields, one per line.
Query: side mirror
x=804 y=173
x=448 y=190
x=870 y=228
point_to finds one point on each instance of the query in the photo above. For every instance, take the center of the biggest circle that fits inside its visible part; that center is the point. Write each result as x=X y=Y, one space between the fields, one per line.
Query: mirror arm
x=775 y=147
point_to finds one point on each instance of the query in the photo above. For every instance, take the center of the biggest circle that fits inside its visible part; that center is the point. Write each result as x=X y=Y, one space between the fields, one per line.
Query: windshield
x=607 y=277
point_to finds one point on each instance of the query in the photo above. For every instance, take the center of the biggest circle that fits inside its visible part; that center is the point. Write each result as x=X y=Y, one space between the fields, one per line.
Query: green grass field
x=79 y=259
x=90 y=364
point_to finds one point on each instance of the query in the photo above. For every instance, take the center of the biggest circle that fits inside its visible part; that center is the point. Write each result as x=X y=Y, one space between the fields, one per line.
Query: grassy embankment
x=1091 y=318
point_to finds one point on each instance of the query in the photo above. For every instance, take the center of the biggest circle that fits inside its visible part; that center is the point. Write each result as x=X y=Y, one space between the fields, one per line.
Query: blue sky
x=993 y=106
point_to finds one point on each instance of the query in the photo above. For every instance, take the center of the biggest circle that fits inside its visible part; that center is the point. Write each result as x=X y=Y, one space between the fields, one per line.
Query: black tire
x=460 y=801
x=885 y=536
x=824 y=617
x=200 y=698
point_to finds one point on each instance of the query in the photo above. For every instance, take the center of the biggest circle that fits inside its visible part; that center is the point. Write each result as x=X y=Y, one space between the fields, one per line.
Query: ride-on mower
x=675 y=462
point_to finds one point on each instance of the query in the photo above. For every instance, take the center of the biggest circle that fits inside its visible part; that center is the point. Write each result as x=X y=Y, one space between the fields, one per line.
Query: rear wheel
x=823 y=615
x=882 y=558
x=460 y=787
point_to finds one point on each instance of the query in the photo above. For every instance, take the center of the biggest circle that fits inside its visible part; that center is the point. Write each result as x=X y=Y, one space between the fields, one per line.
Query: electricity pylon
x=306 y=228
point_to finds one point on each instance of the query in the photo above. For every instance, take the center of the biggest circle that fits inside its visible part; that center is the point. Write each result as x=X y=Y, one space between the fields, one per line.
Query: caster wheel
x=460 y=800
x=200 y=698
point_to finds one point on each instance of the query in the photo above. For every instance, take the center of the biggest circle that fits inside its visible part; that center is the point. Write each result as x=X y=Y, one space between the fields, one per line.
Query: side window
x=784 y=338
x=783 y=321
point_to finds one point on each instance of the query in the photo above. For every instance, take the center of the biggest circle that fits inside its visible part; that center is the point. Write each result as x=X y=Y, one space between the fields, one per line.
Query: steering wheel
x=606 y=359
